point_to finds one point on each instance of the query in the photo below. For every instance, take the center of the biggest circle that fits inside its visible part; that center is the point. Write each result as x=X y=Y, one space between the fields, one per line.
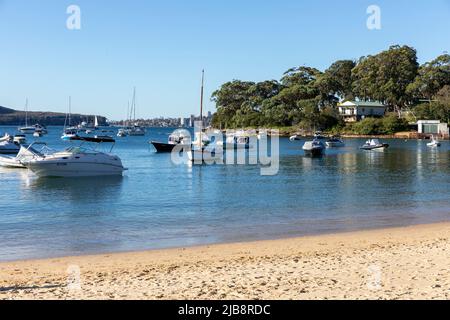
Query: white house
x=353 y=111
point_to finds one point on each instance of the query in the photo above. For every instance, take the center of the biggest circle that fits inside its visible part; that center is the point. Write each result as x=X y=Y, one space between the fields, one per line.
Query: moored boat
x=335 y=142
x=434 y=142
x=77 y=161
x=179 y=137
x=314 y=148
x=374 y=144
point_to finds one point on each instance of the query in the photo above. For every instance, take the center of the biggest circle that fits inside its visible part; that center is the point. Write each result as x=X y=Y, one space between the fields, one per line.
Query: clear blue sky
x=161 y=47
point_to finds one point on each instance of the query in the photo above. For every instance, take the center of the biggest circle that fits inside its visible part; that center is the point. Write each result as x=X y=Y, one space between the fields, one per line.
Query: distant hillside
x=13 y=117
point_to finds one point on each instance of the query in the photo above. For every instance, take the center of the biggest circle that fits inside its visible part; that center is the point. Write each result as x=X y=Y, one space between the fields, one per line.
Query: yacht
x=135 y=129
x=335 y=142
x=434 y=142
x=77 y=161
x=179 y=137
x=314 y=148
x=8 y=146
x=27 y=129
x=374 y=144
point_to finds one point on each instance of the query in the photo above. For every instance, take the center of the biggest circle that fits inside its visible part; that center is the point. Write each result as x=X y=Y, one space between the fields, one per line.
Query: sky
x=160 y=47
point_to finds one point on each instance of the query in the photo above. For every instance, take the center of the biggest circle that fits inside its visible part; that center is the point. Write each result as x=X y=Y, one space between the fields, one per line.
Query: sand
x=399 y=263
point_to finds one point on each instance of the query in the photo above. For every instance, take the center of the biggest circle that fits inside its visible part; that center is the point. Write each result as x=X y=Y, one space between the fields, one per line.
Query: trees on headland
x=307 y=97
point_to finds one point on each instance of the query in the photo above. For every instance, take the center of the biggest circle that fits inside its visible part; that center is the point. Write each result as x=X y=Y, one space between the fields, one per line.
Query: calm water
x=158 y=204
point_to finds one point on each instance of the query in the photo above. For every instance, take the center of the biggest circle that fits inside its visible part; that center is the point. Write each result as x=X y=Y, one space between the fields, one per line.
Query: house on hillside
x=353 y=111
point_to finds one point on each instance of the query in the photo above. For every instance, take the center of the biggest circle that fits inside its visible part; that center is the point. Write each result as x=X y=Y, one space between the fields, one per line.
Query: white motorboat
x=20 y=139
x=314 y=148
x=335 y=142
x=122 y=133
x=25 y=153
x=236 y=140
x=6 y=137
x=136 y=131
x=8 y=146
x=374 y=144
x=295 y=137
x=69 y=134
x=77 y=161
x=434 y=142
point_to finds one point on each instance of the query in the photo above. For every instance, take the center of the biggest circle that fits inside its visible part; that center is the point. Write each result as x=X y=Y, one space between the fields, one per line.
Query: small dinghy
x=374 y=144
x=434 y=142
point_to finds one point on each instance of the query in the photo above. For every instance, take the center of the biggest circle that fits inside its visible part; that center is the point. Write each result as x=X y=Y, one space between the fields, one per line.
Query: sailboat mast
x=134 y=104
x=26 y=113
x=70 y=109
x=201 y=98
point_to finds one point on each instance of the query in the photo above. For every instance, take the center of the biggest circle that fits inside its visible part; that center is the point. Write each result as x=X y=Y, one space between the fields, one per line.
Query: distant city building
x=168 y=122
x=353 y=111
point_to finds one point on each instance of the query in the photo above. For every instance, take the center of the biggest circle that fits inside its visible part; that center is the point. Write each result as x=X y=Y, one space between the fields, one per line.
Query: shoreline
x=412 y=262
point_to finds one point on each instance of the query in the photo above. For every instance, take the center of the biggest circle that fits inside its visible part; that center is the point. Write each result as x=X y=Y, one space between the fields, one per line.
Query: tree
x=432 y=77
x=386 y=76
x=337 y=81
x=229 y=99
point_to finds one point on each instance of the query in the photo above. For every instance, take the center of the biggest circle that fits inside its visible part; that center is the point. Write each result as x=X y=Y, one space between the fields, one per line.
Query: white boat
x=374 y=144
x=295 y=137
x=122 y=132
x=69 y=134
x=434 y=142
x=6 y=137
x=77 y=162
x=8 y=146
x=27 y=129
x=335 y=142
x=236 y=140
x=20 y=139
x=314 y=148
x=135 y=130
x=25 y=153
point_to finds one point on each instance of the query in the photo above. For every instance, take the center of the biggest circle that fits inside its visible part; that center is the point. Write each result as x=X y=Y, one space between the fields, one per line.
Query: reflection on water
x=76 y=190
x=159 y=204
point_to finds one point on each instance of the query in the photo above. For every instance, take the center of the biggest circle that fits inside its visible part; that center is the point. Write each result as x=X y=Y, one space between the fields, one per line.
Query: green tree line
x=307 y=97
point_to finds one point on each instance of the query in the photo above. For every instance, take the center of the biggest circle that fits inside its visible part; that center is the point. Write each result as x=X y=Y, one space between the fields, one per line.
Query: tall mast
x=70 y=109
x=26 y=113
x=201 y=98
x=134 y=104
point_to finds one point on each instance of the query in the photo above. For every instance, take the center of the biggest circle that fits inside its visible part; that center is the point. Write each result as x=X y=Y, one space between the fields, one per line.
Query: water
x=158 y=204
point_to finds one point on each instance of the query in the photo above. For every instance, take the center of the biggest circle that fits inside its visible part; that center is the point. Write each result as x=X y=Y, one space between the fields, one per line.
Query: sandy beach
x=399 y=263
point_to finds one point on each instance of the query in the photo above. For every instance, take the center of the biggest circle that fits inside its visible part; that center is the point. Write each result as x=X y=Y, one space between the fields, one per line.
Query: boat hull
x=382 y=147
x=10 y=162
x=316 y=152
x=73 y=169
x=163 y=147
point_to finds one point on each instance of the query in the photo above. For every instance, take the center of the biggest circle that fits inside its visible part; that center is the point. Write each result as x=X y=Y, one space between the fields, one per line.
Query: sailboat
x=135 y=129
x=27 y=129
x=201 y=149
x=69 y=132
